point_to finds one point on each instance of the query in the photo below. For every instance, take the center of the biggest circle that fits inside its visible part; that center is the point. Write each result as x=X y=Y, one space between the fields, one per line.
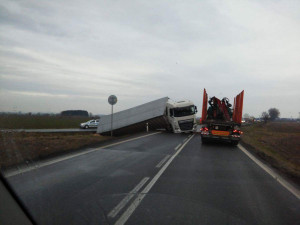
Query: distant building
x=75 y=113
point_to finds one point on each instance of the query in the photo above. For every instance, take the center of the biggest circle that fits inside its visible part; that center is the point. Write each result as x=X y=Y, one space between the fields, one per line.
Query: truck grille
x=186 y=125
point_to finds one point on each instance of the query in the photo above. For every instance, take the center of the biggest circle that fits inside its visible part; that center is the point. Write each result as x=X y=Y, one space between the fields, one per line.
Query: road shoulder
x=285 y=181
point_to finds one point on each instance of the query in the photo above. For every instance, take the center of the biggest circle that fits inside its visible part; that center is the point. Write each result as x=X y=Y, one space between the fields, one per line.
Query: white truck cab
x=182 y=116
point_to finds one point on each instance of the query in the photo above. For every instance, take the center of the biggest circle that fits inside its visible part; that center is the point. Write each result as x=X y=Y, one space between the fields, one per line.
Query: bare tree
x=274 y=113
x=265 y=116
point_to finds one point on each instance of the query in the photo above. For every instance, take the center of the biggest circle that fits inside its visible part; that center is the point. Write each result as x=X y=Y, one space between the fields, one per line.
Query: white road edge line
x=272 y=173
x=43 y=164
x=185 y=140
x=125 y=216
x=176 y=148
x=162 y=161
x=129 y=196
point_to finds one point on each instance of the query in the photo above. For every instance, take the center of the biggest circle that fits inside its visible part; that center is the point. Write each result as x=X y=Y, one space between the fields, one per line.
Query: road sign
x=112 y=99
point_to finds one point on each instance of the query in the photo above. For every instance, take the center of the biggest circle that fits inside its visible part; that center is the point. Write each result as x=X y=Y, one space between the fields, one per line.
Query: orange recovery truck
x=221 y=121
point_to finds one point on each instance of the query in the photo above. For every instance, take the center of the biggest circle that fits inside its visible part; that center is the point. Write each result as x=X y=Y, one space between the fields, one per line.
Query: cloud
x=74 y=54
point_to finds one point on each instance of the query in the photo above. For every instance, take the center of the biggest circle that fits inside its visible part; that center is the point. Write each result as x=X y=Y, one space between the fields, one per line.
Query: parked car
x=90 y=124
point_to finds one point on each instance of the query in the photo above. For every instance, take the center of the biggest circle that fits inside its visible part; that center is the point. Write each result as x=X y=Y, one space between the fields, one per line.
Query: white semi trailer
x=163 y=113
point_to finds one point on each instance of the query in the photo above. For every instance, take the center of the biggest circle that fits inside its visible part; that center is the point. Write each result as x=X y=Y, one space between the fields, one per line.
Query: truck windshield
x=184 y=111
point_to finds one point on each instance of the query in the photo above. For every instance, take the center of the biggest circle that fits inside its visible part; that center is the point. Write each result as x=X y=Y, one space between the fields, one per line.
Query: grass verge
x=20 y=147
x=13 y=121
x=278 y=143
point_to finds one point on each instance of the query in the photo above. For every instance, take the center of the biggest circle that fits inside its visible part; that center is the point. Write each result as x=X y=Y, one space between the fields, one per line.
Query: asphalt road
x=161 y=178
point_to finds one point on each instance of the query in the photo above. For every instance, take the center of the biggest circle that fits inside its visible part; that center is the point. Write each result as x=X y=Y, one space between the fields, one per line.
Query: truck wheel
x=86 y=127
x=169 y=129
x=234 y=142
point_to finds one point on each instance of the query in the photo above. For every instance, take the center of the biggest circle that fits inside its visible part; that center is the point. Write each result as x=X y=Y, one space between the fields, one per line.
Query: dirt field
x=19 y=147
x=14 y=121
x=278 y=143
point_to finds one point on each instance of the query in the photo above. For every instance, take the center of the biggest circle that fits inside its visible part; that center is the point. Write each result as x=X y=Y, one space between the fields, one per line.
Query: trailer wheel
x=169 y=129
x=234 y=142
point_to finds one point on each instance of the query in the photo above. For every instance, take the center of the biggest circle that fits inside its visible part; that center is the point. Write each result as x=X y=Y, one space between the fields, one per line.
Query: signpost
x=112 y=100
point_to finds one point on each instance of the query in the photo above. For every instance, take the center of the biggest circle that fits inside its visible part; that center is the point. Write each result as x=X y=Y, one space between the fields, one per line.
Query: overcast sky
x=59 y=55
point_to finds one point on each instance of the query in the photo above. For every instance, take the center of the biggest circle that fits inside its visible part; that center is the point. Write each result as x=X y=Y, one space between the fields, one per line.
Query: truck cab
x=181 y=116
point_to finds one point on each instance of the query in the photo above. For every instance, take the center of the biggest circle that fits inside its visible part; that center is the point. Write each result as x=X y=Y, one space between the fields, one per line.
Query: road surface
x=159 y=178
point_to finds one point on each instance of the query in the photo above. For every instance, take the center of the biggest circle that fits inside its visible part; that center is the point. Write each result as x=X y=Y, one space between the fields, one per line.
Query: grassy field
x=14 y=121
x=20 y=147
x=278 y=143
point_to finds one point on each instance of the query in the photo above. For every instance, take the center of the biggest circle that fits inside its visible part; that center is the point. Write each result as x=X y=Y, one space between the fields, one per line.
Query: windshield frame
x=183 y=111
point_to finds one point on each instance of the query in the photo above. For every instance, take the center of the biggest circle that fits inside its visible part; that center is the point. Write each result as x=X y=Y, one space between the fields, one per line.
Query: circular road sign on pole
x=112 y=100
